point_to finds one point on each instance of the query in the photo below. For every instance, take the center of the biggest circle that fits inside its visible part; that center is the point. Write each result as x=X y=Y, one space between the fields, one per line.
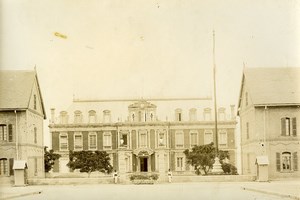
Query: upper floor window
x=207 y=114
x=78 y=145
x=288 y=126
x=222 y=115
x=178 y=115
x=124 y=139
x=77 y=117
x=92 y=116
x=208 y=137
x=63 y=117
x=194 y=138
x=247 y=130
x=179 y=139
x=106 y=116
x=92 y=141
x=161 y=138
x=143 y=139
x=107 y=140
x=34 y=102
x=246 y=99
x=193 y=114
x=35 y=135
x=151 y=117
x=222 y=138
x=63 y=142
x=6 y=132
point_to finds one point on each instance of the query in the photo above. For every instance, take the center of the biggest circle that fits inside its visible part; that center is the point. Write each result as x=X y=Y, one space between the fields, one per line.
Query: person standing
x=115 y=176
x=169 y=176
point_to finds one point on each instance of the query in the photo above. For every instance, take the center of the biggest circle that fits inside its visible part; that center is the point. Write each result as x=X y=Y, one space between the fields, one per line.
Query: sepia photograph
x=149 y=99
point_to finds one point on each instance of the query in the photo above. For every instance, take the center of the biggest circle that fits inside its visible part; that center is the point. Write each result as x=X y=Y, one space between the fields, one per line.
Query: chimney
x=52 y=115
x=232 y=112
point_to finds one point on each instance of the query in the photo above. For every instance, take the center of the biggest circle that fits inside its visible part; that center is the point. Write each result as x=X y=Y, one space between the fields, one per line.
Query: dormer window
x=77 y=117
x=34 y=102
x=178 y=115
x=92 y=116
x=106 y=116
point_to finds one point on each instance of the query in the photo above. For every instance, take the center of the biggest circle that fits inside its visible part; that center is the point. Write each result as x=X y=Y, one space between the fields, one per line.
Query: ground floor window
x=179 y=163
x=3 y=167
x=286 y=161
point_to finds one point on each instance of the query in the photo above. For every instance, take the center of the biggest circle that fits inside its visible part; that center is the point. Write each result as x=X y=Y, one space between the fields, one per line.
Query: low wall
x=215 y=178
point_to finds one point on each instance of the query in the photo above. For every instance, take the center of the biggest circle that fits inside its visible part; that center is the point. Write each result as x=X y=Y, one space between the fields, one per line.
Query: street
x=174 y=191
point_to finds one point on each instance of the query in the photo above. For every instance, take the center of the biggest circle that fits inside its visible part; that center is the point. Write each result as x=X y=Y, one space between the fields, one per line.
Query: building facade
x=269 y=114
x=140 y=135
x=21 y=122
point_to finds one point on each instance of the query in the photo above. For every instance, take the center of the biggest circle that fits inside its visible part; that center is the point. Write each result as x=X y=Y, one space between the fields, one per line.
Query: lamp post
x=217 y=168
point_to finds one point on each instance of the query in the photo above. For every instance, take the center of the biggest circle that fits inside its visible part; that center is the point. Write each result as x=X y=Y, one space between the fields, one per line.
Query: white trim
x=78 y=134
x=60 y=135
x=179 y=144
x=107 y=147
x=197 y=140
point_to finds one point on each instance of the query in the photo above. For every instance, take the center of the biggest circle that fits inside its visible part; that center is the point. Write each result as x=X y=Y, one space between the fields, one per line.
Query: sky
x=145 y=48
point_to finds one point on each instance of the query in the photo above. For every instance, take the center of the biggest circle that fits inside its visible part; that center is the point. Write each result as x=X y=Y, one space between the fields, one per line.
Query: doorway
x=144 y=164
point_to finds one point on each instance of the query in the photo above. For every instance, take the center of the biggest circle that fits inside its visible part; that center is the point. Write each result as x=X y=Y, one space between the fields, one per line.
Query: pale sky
x=145 y=48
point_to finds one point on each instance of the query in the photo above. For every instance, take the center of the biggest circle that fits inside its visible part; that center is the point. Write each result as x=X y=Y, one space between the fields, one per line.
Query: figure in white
x=115 y=176
x=170 y=176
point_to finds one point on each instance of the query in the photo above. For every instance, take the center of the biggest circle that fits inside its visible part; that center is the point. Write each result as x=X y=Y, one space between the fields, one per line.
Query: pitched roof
x=15 y=89
x=272 y=86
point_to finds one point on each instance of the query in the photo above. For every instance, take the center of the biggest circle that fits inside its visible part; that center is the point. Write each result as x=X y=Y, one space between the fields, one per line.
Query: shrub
x=229 y=169
x=143 y=177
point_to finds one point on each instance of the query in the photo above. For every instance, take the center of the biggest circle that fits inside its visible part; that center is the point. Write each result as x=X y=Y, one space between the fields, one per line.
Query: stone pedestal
x=217 y=167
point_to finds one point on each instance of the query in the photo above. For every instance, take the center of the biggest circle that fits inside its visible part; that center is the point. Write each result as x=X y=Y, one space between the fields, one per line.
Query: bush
x=229 y=169
x=143 y=177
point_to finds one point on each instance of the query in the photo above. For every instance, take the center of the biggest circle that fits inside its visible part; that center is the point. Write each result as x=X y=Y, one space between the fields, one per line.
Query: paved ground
x=174 y=191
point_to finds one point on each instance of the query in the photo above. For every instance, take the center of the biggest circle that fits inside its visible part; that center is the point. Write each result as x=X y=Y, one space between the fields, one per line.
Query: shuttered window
x=294 y=126
x=295 y=161
x=278 y=162
x=10 y=133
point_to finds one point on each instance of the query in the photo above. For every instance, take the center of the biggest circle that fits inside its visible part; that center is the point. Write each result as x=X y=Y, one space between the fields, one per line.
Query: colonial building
x=269 y=110
x=21 y=122
x=141 y=135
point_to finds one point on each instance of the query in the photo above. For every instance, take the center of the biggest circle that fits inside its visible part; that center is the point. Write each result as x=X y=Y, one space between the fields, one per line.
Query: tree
x=49 y=159
x=89 y=161
x=201 y=157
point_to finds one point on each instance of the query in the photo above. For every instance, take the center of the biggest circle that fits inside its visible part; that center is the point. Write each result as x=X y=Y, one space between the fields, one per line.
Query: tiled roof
x=275 y=86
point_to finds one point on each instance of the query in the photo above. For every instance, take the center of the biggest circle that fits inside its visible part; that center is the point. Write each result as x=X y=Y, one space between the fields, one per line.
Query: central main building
x=140 y=135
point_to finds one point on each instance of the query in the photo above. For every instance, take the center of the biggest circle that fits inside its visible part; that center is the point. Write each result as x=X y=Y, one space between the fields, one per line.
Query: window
x=63 y=117
x=106 y=116
x=35 y=135
x=178 y=115
x=247 y=130
x=208 y=137
x=151 y=116
x=179 y=164
x=34 y=102
x=10 y=133
x=179 y=140
x=222 y=139
x=161 y=139
x=3 y=167
x=221 y=113
x=78 y=141
x=194 y=138
x=92 y=116
x=246 y=98
x=286 y=162
x=63 y=141
x=3 y=132
x=77 y=117
x=193 y=114
x=207 y=114
x=35 y=166
x=132 y=117
x=92 y=141
x=107 y=140
x=143 y=139
x=124 y=139
x=288 y=126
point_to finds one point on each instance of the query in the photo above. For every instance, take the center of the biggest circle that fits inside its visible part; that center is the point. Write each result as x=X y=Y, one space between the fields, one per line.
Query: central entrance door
x=144 y=164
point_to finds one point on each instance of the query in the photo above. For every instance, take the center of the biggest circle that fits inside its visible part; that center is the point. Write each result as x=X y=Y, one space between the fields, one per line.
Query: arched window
x=92 y=116
x=77 y=117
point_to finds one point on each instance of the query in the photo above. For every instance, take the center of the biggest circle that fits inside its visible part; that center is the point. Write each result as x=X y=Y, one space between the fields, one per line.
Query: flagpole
x=215 y=94
x=217 y=167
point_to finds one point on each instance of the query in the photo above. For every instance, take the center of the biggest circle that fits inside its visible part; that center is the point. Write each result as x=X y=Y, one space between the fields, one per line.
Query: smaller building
x=269 y=108
x=21 y=122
